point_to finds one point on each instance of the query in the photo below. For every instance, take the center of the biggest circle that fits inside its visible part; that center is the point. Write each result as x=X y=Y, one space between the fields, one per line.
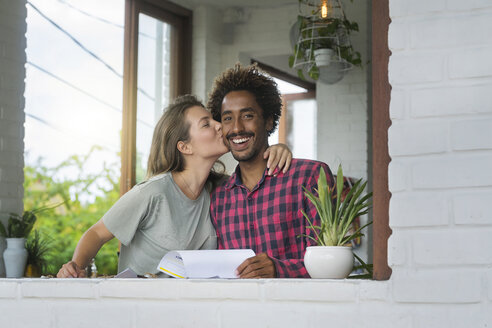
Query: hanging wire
x=77 y=42
x=103 y=20
x=82 y=91
x=84 y=48
x=66 y=3
x=84 y=139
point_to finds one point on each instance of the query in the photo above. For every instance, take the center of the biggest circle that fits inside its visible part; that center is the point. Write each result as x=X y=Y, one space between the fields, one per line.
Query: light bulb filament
x=324 y=10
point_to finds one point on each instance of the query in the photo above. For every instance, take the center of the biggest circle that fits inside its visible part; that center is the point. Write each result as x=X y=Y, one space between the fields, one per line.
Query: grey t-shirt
x=155 y=217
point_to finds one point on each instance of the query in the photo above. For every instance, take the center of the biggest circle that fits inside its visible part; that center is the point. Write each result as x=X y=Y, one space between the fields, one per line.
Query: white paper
x=127 y=273
x=216 y=263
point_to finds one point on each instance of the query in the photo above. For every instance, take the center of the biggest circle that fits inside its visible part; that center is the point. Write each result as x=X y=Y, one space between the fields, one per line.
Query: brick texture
x=473 y=208
x=419 y=209
x=437 y=286
x=12 y=73
x=439 y=177
x=458 y=247
x=451 y=100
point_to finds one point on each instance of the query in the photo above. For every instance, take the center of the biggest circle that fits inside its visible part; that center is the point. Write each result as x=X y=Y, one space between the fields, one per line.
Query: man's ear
x=184 y=147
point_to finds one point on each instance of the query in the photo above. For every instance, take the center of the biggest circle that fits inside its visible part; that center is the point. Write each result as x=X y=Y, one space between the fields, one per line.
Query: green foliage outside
x=65 y=224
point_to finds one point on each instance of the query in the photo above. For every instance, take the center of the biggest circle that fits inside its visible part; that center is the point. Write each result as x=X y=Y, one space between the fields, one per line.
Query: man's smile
x=240 y=140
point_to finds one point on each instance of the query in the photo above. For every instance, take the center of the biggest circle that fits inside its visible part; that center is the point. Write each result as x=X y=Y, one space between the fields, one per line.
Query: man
x=253 y=209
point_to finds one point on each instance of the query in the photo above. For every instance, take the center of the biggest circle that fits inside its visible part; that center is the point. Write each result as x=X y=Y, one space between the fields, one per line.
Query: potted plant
x=18 y=229
x=332 y=258
x=319 y=39
x=15 y=256
x=37 y=250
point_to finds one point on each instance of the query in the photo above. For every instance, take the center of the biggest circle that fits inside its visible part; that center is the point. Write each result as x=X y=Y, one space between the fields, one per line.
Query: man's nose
x=238 y=126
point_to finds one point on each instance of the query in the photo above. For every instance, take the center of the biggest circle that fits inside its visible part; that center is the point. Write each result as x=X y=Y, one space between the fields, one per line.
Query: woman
x=170 y=210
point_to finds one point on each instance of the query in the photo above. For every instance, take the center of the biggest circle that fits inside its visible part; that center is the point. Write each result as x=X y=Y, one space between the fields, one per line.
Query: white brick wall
x=440 y=145
x=193 y=303
x=342 y=124
x=12 y=73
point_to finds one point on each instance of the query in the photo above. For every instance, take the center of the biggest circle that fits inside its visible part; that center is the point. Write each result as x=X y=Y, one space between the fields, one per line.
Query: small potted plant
x=18 y=229
x=332 y=258
x=37 y=248
x=15 y=256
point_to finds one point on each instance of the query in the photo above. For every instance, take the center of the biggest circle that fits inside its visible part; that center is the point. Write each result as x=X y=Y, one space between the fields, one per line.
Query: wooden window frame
x=381 y=91
x=181 y=21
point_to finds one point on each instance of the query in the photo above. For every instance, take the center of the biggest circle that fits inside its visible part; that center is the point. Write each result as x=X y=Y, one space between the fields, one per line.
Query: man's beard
x=240 y=157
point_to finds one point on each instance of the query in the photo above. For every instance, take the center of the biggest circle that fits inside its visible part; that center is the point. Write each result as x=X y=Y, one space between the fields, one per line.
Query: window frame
x=381 y=121
x=380 y=118
x=181 y=21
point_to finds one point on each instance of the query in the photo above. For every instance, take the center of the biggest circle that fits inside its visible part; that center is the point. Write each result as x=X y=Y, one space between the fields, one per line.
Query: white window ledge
x=298 y=290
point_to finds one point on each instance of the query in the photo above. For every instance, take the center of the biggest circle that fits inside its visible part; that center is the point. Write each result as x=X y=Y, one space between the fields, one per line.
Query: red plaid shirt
x=268 y=219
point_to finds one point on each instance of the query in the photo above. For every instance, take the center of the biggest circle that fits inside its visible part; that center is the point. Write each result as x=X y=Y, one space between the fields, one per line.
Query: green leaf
x=314 y=72
x=291 y=60
x=337 y=215
x=304 y=235
x=15 y=228
x=367 y=267
x=312 y=227
x=3 y=233
x=300 y=74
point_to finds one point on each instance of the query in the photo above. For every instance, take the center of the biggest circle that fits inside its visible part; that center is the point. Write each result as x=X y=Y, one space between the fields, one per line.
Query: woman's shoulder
x=155 y=185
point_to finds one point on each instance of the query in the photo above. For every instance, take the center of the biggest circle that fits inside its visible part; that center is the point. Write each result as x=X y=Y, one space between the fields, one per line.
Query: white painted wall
x=12 y=74
x=441 y=183
x=343 y=107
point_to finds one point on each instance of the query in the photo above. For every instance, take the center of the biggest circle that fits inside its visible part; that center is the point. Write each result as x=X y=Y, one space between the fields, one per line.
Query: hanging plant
x=315 y=33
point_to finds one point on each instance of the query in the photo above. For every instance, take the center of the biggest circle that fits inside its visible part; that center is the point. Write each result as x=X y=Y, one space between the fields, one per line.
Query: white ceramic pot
x=333 y=262
x=15 y=257
x=323 y=56
x=3 y=246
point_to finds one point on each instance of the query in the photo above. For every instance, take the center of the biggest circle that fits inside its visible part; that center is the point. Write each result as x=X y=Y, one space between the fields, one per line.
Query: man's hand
x=259 y=266
x=71 y=270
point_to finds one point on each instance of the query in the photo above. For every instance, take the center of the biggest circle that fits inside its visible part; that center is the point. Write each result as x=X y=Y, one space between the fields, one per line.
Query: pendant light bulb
x=324 y=9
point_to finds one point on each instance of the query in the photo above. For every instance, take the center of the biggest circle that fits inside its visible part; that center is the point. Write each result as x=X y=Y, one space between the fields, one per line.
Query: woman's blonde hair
x=171 y=128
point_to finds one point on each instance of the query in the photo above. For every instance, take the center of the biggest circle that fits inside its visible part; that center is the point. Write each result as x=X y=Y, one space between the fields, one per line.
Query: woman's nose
x=218 y=126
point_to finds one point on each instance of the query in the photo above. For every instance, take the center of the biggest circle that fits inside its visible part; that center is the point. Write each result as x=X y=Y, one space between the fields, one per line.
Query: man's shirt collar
x=235 y=179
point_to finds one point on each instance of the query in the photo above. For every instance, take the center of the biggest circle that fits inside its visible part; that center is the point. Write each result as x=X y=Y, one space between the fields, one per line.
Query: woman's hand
x=71 y=270
x=87 y=247
x=278 y=155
